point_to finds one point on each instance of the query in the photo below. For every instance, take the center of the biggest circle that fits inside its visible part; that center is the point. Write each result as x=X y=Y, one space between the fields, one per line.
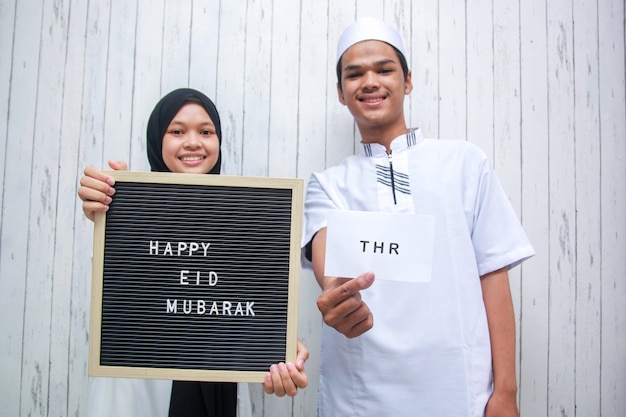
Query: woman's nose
x=192 y=140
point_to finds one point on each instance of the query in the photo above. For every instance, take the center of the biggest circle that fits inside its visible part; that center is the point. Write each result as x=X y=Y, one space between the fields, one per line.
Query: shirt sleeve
x=497 y=235
x=317 y=203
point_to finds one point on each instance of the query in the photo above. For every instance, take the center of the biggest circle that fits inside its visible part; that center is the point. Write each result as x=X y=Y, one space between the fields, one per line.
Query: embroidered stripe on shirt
x=411 y=138
x=401 y=180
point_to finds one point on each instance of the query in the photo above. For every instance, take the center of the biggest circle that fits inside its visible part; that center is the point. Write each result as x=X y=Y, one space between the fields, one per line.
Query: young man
x=442 y=344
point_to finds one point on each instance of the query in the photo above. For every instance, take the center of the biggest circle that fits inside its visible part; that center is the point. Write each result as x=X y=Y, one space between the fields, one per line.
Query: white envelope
x=396 y=247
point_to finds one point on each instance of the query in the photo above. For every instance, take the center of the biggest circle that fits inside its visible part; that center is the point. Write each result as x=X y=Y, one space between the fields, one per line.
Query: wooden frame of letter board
x=232 y=374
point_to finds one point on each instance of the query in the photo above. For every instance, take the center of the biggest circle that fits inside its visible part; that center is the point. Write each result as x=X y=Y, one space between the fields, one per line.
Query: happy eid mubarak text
x=186 y=277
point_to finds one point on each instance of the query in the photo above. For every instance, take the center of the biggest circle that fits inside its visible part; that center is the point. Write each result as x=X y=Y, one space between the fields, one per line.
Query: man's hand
x=342 y=307
x=502 y=405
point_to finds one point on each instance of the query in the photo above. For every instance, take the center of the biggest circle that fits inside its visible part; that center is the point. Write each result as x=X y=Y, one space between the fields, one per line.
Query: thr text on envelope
x=396 y=247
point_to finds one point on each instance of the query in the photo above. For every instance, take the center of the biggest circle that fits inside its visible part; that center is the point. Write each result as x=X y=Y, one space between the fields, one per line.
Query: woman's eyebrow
x=178 y=122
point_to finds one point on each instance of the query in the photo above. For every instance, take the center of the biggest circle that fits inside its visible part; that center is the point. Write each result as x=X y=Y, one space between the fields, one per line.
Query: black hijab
x=162 y=115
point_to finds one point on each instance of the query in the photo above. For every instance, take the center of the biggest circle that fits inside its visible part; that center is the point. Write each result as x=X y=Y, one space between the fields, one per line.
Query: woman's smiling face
x=190 y=143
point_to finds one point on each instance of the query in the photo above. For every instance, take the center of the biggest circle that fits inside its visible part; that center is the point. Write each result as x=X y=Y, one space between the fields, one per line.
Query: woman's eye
x=207 y=132
x=177 y=132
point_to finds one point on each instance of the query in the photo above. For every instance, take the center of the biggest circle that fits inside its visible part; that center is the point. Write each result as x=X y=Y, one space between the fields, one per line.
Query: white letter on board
x=226 y=306
x=201 y=307
x=214 y=309
x=182 y=246
x=239 y=310
x=212 y=278
x=249 y=311
x=171 y=307
x=205 y=247
x=183 y=277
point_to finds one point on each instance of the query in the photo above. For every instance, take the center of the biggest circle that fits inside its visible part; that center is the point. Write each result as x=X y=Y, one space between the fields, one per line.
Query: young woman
x=184 y=135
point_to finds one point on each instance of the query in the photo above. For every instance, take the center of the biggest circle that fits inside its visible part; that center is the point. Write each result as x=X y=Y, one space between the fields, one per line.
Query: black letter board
x=195 y=277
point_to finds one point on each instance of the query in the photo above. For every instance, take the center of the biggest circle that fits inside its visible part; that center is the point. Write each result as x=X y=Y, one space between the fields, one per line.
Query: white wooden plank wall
x=540 y=86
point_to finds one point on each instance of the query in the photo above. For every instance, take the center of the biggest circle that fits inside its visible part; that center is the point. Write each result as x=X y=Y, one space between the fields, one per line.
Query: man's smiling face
x=373 y=85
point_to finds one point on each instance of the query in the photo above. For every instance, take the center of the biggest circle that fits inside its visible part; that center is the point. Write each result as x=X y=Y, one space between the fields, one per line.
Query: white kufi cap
x=368 y=29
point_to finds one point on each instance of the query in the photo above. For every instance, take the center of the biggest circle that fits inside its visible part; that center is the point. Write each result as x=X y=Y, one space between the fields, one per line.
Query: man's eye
x=353 y=75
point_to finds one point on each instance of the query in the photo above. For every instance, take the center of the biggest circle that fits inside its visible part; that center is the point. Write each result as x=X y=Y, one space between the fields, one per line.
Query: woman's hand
x=287 y=378
x=96 y=188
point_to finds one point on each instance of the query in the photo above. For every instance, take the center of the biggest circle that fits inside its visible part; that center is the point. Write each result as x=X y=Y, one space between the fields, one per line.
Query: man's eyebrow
x=382 y=62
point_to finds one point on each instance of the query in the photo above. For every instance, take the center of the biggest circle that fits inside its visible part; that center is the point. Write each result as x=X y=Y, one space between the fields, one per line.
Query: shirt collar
x=405 y=141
